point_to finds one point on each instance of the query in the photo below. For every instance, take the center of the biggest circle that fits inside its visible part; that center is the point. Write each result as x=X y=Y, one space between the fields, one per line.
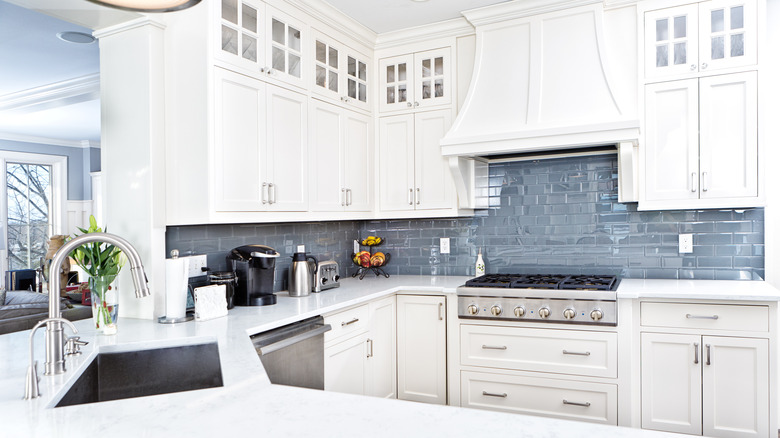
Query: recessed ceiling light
x=148 y=5
x=76 y=37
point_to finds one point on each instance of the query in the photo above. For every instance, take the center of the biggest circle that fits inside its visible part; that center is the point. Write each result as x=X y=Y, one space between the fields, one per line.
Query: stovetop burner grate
x=542 y=281
x=589 y=282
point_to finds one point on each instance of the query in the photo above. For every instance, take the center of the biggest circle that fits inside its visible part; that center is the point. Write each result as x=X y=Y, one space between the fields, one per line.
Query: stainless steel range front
x=566 y=299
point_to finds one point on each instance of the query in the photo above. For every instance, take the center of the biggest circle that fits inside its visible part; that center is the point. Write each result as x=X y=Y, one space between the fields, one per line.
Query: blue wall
x=81 y=161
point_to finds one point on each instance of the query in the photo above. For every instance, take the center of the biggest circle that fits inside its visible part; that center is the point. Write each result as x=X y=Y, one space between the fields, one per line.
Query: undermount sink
x=139 y=373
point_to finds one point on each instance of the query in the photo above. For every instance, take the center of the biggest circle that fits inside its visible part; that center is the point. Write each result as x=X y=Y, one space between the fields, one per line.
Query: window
x=32 y=206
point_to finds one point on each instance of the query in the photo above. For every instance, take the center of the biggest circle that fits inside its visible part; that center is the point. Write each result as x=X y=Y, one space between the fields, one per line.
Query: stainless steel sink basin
x=128 y=374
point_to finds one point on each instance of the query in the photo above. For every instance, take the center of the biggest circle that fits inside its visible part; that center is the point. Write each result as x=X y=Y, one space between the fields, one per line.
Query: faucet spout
x=55 y=340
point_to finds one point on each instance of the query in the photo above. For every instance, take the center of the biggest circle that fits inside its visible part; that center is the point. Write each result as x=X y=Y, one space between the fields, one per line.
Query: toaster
x=326 y=276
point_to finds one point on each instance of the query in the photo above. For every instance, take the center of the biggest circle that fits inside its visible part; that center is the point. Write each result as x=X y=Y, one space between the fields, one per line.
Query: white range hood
x=540 y=84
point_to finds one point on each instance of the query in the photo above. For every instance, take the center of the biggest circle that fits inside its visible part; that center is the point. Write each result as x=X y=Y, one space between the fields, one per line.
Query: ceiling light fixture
x=76 y=37
x=148 y=5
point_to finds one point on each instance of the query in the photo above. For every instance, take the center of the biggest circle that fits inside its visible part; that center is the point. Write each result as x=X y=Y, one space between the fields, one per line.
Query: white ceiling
x=388 y=15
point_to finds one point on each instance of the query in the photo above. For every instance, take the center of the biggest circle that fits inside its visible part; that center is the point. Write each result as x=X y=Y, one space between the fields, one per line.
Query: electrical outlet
x=444 y=245
x=196 y=262
x=355 y=247
x=686 y=243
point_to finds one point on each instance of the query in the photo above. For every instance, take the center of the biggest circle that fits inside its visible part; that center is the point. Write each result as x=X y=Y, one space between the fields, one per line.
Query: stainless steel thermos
x=301 y=274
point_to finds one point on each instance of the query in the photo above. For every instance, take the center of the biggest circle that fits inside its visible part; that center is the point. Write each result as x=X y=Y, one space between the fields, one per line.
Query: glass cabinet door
x=671 y=38
x=326 y=67
x=285 y=46
x=432 y=78
x=240 y=33
x=396 y=83
x=727 y=34
x=356 y=84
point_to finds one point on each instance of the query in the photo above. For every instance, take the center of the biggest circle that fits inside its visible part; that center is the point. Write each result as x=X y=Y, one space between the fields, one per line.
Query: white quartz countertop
x=248 y=402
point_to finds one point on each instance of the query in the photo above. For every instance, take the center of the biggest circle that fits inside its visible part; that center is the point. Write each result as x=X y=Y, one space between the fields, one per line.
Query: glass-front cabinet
x=261 y=39
x=693 y=39
x=416 y=80
x=340 y=72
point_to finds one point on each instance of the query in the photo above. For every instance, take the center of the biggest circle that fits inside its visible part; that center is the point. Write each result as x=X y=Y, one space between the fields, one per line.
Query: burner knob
x=569 y=313
x=495 y=310
x=472 y=309
x=596 y=314
x=544 y=312
x=519 y=311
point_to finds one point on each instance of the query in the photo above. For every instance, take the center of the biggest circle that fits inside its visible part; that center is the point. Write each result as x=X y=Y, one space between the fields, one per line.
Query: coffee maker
x=254 y=266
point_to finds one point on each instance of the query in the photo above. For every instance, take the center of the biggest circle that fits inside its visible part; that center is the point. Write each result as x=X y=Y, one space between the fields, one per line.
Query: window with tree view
x=29 y=213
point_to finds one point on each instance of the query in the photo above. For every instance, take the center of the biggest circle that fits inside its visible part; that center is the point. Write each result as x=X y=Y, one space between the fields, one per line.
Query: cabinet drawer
x=571 y=400
x=347 y=323
x=705 y=316
x=583 y=353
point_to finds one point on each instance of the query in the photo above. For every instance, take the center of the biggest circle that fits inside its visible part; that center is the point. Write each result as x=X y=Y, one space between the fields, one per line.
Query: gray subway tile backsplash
x=548 y=216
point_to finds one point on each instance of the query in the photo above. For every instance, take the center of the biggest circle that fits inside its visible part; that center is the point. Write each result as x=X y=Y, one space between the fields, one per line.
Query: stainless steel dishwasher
x=293 y=354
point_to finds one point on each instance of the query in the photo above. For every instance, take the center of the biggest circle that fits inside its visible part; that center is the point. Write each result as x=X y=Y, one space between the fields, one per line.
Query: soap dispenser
x=480 y=266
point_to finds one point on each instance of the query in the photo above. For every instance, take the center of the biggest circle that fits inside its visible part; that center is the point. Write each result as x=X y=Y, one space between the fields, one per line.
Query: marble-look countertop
x=249 y=403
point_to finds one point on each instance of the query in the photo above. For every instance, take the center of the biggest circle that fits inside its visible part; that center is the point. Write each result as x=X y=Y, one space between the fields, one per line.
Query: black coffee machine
x=254 y=268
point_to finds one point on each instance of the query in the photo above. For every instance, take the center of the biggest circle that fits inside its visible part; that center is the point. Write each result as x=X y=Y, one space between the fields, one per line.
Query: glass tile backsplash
x=556 y=215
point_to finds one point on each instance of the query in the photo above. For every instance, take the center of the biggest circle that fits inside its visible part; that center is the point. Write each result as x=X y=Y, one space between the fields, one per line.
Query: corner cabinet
x=422 y=348
x=413 y=175
x=705 y=369
x=260 y=145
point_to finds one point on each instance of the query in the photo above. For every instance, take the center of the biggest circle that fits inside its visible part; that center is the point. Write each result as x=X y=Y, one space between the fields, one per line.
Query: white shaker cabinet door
x=422 y=349
x=357 y=161
x=729 y=135
x=325 y=148
x=735 y=387
x=381 y=349
x=396 y=162
x=434 y=186
x=396 y=84
x=432 y=78
x=727 y=34
x=671 y=42
x=672 y=140
x=287 y=155
x=239 y=131
x=671 y=383
x=346 y=366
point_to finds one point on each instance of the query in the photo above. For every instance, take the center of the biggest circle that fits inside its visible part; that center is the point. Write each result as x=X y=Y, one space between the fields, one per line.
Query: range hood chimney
x=540 y=84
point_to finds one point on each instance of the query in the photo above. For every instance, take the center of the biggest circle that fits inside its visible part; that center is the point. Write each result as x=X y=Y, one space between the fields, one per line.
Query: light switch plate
x=444 y=245
x=196 y=262
x=686 y=243
x=355 y=247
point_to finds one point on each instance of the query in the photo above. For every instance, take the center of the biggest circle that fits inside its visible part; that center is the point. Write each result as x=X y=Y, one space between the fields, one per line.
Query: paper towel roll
x=176 y=270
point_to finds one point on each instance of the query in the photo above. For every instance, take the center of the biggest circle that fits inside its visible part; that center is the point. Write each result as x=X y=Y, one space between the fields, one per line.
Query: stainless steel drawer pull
x=411 y=192
x=693 y=182
x=441 y=306
x=696 y=352
x=689 y=316
x=707 y=346
x=263 y=192
x=566 y=402
x=490 y=394
x=577 y=353
x=493 y=347
x=370 y=343
x=350 y=322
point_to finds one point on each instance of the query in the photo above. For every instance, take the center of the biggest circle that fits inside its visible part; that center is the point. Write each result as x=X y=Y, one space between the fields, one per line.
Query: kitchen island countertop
x=248 y=402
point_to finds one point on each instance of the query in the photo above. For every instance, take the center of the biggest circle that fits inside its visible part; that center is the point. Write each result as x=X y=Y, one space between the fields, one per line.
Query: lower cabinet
x=711 y=385
x=422 y=348
x=360 y=351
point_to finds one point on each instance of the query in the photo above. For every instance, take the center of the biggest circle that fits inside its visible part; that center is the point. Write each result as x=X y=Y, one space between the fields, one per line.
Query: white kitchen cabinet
x=260 y=146
x=262 y=39
x=340 y=73
x=699 y=38
x=346 y=368
x=413 y=175
x=381 y=349
x=701 y=142
x=422 y=349
x=415 y=81
x=339 y=159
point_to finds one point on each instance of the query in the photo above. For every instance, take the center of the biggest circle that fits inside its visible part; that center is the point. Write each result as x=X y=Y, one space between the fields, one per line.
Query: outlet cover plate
x=444 y=245
x=686 y=243
x=196 y=262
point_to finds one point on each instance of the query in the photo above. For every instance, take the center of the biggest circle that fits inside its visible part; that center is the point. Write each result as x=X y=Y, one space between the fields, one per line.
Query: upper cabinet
x=689 y=40
x=340 y=73
x=261 y=39
x=417 y=80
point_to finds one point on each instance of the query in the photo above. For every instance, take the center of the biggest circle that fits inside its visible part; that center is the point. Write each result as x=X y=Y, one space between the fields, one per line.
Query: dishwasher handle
x=317 y=330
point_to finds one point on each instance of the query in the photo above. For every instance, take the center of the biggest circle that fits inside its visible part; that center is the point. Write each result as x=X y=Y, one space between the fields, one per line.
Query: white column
x=133 y=152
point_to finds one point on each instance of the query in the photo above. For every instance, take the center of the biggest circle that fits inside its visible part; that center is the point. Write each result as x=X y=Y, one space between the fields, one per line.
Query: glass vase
x=105 y=304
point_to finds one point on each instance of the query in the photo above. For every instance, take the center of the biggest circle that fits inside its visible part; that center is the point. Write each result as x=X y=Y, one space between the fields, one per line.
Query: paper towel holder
x=167 y=320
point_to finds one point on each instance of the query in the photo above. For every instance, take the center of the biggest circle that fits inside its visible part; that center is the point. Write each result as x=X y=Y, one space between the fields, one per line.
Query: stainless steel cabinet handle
x=493 y=347
x=350 y=322
x=417 y=196
x=441 y=306
x=696 y=352
x=707 y=346
x=577 y=353
x=410 y=196
x=566 y=402
x=271 y=193
x=370 y=344
x=693 y=181
x=689 y=316
x=704 y=182
x=490 y=394
x=263 y=193
x=349 y=196
x=343 y=197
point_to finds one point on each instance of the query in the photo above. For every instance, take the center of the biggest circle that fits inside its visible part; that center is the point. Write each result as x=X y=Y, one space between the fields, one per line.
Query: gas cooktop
x=543 y=281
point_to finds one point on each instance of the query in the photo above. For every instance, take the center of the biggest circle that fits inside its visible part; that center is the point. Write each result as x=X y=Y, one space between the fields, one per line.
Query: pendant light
x=148 y=5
